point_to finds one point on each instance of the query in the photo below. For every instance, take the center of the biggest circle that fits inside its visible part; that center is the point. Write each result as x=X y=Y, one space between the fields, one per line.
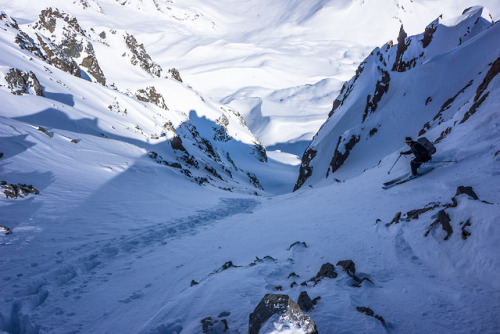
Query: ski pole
x=389 y=172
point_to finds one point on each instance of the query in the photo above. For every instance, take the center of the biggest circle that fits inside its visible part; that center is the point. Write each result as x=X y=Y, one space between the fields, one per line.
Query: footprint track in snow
x=81 y=263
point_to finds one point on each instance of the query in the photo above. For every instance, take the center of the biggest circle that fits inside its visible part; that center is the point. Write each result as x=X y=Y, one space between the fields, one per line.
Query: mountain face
x=64 y=75
x=428 y=84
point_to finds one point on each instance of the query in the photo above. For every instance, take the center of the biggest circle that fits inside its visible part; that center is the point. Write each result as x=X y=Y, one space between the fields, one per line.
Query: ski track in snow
x=75 y=268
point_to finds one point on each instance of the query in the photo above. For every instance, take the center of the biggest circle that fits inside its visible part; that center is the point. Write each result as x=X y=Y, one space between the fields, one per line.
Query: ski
x=396 y=179
x=404 y=180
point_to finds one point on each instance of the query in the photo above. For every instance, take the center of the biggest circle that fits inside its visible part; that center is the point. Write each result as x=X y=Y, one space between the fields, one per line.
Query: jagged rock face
x=174 y=74
x=429 y=33
x=48 y=20
x=9 y=22
x=283 y=307
x=399 y=64
x=141 y=57
x=21 y=83
x=338 y=157
x=305 y=169
x=74 y=42
x=381 y=88
x=151 y=95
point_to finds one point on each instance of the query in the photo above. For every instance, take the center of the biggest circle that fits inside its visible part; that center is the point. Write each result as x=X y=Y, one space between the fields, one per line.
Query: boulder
x=464 y=190
x=304 y=301
x=23 y=82
x=348 y=266
x=444 y=219
x=283 y=311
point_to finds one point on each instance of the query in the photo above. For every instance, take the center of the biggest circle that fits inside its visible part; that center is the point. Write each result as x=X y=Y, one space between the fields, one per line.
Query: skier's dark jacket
x=421 y=154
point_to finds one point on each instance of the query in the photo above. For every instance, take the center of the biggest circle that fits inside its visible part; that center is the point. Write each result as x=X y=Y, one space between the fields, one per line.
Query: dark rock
x=201 y=180
x=316 y=300
x=141 y=57
x=396 y=218
x=278 y=288
x=429 y=33
x=224 y=314
x=260 y=152
x=338 y=158
x=413 y=214
x=369 y=312
x=5 y=229
x=254 y=180
x=443 y=134
x=293 y=275
x=211 y=326
x=20 y=82
x=348 y=266
x=400 y=65
x=95 y=70
x=305 y=170
x=176 y=144
x=327 y=270
x=19 y=190
x=444 y=219
x=193 y=283
x=74 y=141
x=465 y=233
x=265 y=258
x=283 y=306
x=492 y=72
x=372 y=132
x=293 y=284
x=174 y=73
x=464 y=190
x=55 y=56
x=336 y=104
x=44 y=131
x=304 y=301
x=298 y=244
x=381 y=87
x=226 y=266
x=48 y=17
x=152 y=96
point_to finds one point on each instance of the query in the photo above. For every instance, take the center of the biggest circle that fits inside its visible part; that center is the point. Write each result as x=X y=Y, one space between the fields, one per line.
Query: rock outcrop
x=20 y=82
x=281 y=309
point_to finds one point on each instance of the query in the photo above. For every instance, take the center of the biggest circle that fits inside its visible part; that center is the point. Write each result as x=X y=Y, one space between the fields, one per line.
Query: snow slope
x=115 y=242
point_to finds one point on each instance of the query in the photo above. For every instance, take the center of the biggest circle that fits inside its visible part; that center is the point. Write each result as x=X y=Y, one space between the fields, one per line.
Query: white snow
x=113 y=240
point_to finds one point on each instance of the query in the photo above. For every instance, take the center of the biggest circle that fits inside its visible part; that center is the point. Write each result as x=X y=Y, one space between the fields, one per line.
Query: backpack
x=427 y=145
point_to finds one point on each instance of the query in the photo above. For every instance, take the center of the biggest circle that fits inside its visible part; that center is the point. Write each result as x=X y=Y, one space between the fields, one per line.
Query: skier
x=421 y=155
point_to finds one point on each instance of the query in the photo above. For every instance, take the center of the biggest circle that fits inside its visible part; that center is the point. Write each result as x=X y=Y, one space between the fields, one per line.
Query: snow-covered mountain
x=428 y=84
x=131 y=157
x=113 y=90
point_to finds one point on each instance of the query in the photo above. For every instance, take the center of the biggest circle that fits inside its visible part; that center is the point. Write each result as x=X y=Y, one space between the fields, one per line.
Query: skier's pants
x=416 y=164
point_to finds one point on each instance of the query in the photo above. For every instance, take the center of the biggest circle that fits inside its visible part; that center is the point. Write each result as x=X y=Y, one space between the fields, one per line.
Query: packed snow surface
x=119 y=241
